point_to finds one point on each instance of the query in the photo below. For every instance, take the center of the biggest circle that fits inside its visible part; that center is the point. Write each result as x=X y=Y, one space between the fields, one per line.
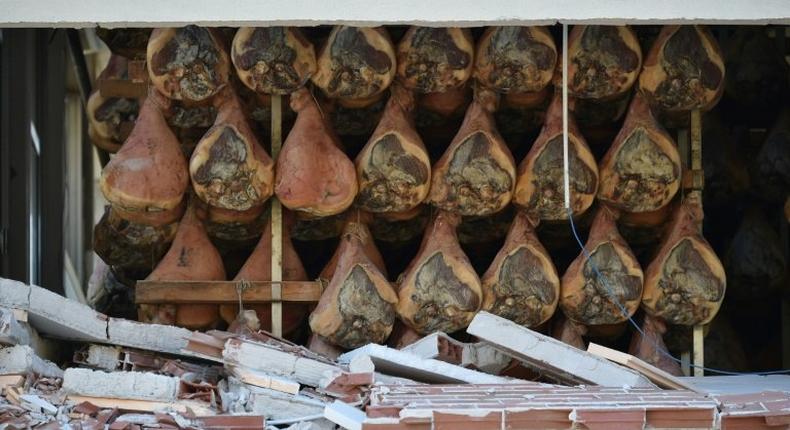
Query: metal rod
x=565 y=167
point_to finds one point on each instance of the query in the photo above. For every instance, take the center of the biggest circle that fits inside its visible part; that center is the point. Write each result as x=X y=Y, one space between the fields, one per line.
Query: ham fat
x=358 y=305
x=540 y=175
x=685 y=282
x=313 y=173
x=641 y=170
x=587 y=298
x=229 y=168
x=521 y=284
x=477 y=173
x=440 y=290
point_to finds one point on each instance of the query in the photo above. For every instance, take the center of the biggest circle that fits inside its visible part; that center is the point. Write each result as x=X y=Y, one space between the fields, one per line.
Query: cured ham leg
x=440 y=290
x=771 y=168
x=126 y=42
x=131 y=246
x=477 y=173
x=685 y=282
x=641 y=170
x=356 y=64
x=435 y=59
x=258 y=267
x=570 y=332
x=147 y=178
x=358 y=305
x=684 y=69
x=109 y=117
x=648 y=348
x=540 y=175
x=229 y=168
x=592 y=300
x=400 y=227
x=393 y=169
x=521 y=284
x=191 y=257
x=273 y=60
x=187 y=63
x=512 y=59
x=756 y=264
x=439 y=116
x=603 y=61
x=313 y=174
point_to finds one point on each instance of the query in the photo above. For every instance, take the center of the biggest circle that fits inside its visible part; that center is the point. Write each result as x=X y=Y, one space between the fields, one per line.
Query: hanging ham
x=756 y=260
x=187 y=63
x=521 y=284
x=393 y=169
x=258 y=267
x=273 y=60
x=147 y=178
x=477 y=173
x=684 y=69
x=400 y=227
x=512 y=59
x=358 y=305
x=540 y=186
x=356 y=64
x=191 y=257
x=126 y=42
x=650 y=347
x=110 y=119
x=590 y=299
x=131 y=246
x=435 y=59
x=603 y=61
x=685 y=282
x=439 y=116
x=569 y=332
x=641 y=170
x=771 y=167
x=440 y=290
x=229 y=168
x=313 y=173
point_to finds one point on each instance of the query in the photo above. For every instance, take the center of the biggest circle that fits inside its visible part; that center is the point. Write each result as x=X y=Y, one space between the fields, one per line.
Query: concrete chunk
x=120 y=385
x=23 y=360
x=405 y=364
x=151 y=337
x=551 y=357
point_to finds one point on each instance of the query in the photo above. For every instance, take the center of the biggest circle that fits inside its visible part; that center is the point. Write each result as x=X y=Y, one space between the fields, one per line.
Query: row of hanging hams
x=159 y=194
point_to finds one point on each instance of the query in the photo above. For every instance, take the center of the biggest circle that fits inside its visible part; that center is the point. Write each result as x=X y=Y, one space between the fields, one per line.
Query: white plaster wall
x=131 y=13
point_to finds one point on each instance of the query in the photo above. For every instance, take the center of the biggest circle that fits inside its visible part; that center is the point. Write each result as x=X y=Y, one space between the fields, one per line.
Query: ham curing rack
x=278 y=291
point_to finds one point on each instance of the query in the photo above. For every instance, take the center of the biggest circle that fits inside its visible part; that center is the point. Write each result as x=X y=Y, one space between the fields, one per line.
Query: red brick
x=445 y=421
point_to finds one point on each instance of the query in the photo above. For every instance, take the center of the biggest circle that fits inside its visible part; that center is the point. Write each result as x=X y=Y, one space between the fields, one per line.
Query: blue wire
x=625 y=312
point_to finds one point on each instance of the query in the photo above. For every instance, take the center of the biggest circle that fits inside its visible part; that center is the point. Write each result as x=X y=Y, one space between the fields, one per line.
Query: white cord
x=565 y=163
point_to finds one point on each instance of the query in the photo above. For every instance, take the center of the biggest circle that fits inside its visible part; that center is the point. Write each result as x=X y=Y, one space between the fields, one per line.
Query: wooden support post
x=696 y=169
x=699 y=350
x=277 y=225
x=685 y=363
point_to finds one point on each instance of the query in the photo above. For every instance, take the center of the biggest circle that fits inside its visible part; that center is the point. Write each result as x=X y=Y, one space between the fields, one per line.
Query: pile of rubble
x=130 y=375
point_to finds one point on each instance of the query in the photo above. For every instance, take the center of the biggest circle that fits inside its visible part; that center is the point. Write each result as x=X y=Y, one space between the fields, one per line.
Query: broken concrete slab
x=264 y=380
x=120 y=385
x=57 y=316
x=22 y=359
x=273 y=360
x=442 y=347
x=15 y=330
x=344 y=415
x=405 y=364
x=555 y=359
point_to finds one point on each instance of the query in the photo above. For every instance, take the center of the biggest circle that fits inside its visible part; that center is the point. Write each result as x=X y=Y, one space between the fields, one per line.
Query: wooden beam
x=224 y=292
x=277 y=226
x=696 y=165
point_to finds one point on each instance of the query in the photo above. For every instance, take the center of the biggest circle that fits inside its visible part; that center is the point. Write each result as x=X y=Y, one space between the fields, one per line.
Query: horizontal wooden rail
x=223 y=292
